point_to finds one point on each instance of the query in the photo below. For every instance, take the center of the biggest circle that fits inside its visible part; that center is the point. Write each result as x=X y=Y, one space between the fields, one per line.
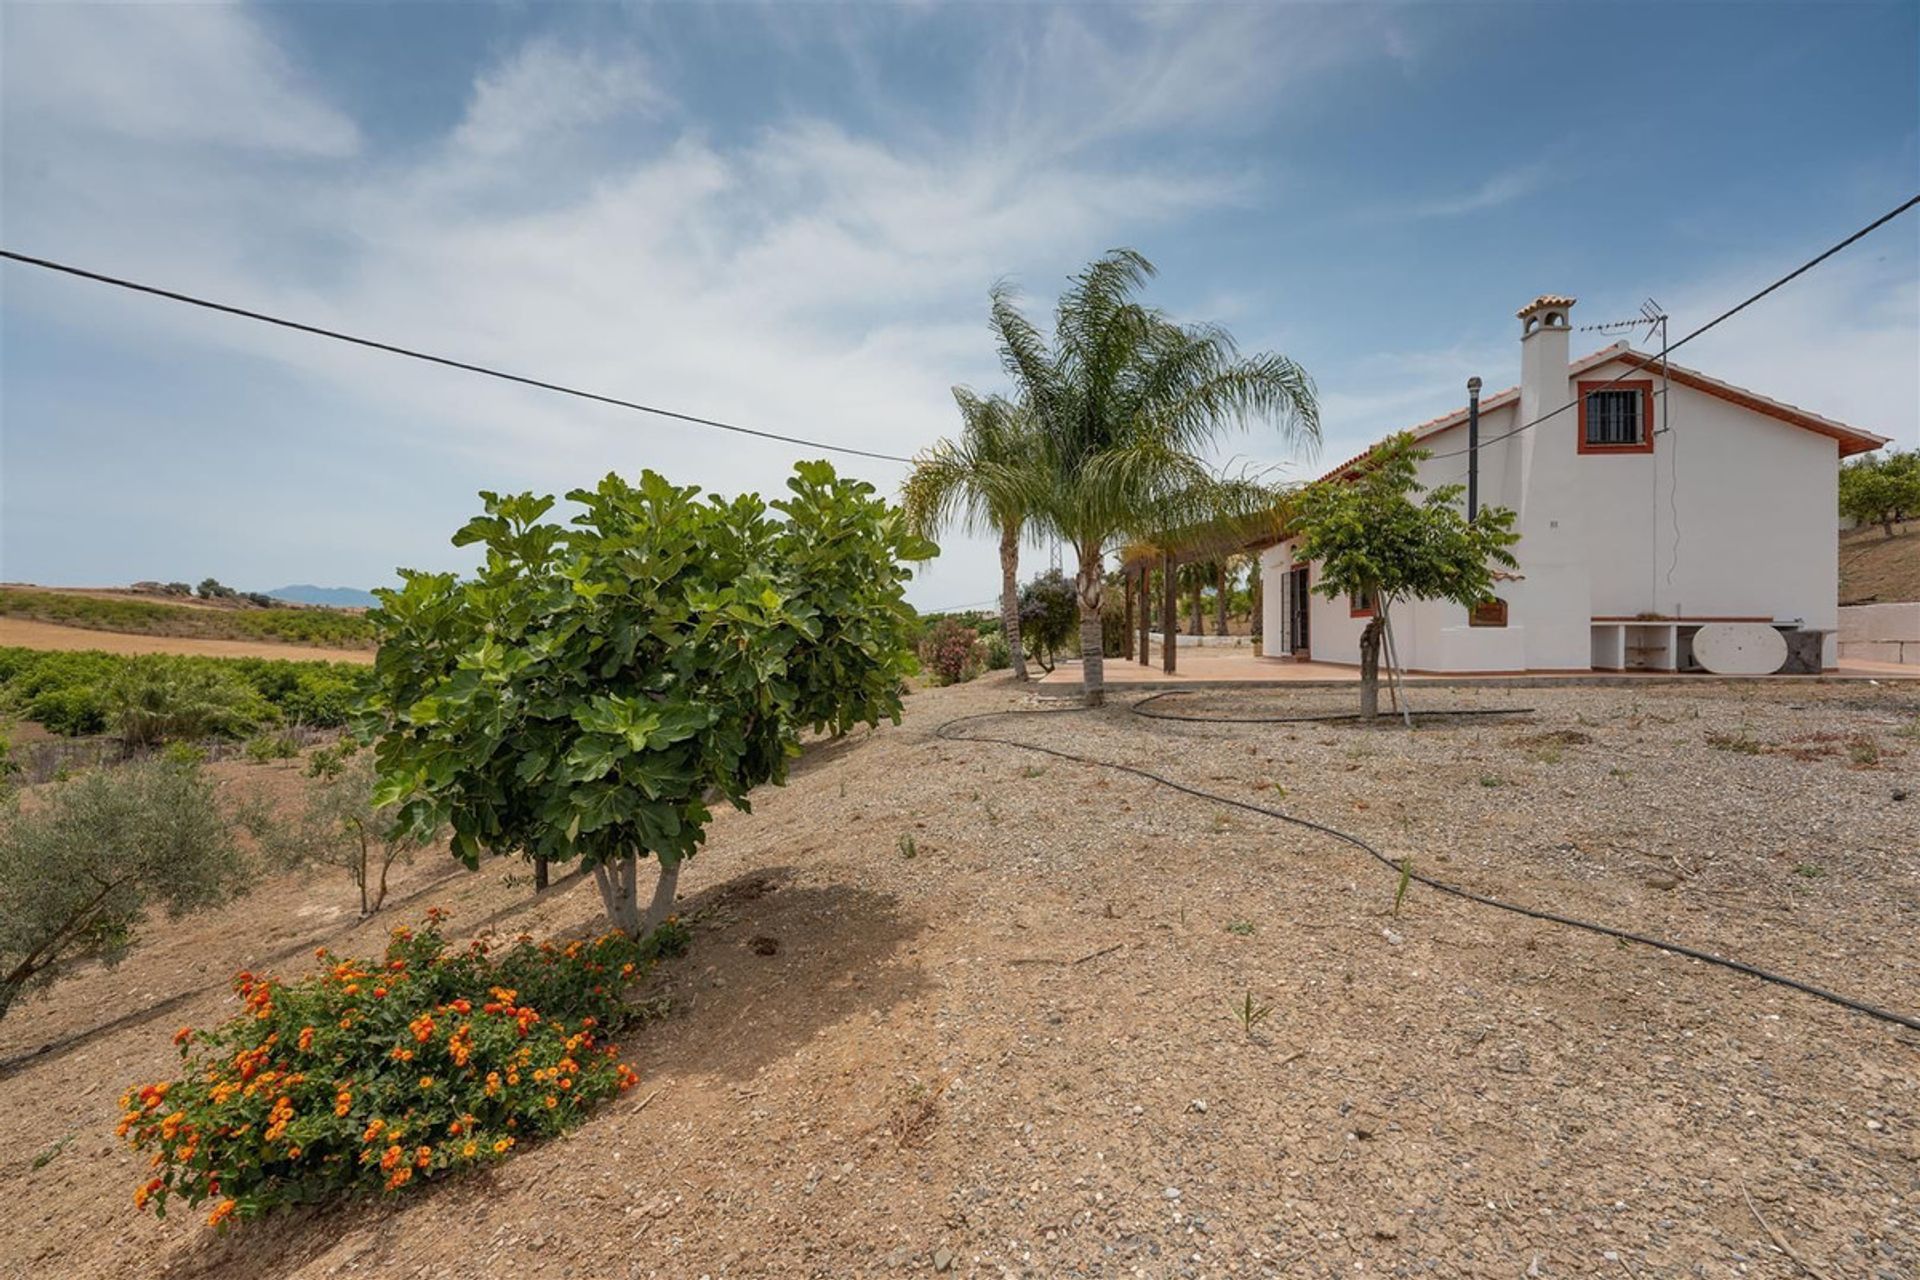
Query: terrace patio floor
x=1200 y=667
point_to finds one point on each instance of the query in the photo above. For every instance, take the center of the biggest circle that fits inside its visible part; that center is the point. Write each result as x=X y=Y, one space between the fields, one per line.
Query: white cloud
x=1842 y=341
x=547 y=88
x=1497 y=189
x=809 y=279
x=172 y=74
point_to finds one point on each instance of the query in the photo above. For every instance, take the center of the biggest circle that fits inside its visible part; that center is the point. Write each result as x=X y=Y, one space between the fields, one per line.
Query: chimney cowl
x=1548 y=311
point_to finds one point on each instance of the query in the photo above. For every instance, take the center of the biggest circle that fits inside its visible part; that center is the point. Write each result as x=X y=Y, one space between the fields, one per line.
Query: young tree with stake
x=1374 y=541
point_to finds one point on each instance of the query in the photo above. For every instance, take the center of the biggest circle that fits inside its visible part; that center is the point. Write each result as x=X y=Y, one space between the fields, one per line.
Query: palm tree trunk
x=1193 y=600
x=1091 y=588
x=1220 y=599
x=1010 y=597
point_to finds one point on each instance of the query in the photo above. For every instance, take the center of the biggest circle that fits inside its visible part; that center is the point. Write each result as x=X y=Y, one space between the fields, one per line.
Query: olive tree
x=1881 y=490
x=81 y=869
x=338 y=826
x=593 y=689
x=1374 y=541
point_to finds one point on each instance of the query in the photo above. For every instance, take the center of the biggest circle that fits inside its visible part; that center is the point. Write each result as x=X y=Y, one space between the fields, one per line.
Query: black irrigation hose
x=1138 y=708
x=945 y=732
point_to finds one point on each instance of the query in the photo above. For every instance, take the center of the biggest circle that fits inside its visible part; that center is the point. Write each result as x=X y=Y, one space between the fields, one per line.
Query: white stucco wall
x=1731 y=515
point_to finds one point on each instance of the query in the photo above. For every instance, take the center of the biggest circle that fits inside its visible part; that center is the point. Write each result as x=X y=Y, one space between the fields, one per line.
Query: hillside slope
x=957 y=1010
x=1876 y=569
x=332 y=597
x=133 y=614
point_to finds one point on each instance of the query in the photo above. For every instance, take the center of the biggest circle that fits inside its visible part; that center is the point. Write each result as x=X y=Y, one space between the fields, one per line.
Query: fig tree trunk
x=619 y=894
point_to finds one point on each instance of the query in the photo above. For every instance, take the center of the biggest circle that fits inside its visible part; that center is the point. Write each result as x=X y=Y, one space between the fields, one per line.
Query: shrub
x=1114 y=640
x=213 y=589
x=159 y=699
x=952 y=652
x=1049 y=617
x=264 y=748
x=374 y=1077
x=69 y=692
x=73 y=712
x=999 y=652
x=79 y=872
x=340 y=827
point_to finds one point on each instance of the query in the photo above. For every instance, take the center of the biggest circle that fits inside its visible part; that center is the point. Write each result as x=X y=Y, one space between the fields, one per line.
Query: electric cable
x=946 y=732
x=447 y=361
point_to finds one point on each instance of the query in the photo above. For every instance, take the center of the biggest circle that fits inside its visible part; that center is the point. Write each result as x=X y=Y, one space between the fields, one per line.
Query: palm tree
x=982 y=482
x=1123 y=401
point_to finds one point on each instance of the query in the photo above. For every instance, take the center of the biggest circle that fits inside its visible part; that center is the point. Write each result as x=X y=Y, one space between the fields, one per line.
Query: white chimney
x=1543 y=355
x=1554 y=603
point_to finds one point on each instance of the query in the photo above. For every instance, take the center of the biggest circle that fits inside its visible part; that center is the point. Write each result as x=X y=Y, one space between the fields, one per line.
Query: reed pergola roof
x=1213 y=540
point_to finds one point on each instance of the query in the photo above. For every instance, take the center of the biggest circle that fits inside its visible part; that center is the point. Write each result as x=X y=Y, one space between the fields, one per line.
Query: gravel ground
x=1001 y=1032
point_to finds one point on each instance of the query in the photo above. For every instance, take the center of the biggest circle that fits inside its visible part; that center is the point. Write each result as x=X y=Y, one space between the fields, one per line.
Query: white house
x=1660 y=500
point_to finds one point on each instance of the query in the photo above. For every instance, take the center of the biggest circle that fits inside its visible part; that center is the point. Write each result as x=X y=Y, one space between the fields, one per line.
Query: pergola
x=1167 y=552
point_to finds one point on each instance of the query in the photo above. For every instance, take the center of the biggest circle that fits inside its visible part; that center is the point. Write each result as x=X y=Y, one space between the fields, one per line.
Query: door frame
x=1299 y=612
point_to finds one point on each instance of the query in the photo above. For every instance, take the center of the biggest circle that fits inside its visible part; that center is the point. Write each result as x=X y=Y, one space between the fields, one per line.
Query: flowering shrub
x=952 y=651
x=372 y=1077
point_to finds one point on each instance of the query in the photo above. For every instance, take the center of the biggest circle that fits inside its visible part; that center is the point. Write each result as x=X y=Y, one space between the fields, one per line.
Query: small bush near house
x=79 y=872
x=952 y=652
x=378 y=1076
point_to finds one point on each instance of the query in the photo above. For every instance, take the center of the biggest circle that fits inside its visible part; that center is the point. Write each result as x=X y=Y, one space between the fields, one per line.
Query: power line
x=1729 y=313
x=485 y=370
x=964 y=608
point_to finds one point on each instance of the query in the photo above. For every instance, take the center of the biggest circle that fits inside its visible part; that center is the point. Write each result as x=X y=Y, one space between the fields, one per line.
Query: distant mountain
x=336 y=597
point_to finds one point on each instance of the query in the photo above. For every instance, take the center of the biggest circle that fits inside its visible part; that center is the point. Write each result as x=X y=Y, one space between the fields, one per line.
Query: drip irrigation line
x=449 y=362
x=1333 y=717
x=946 y=732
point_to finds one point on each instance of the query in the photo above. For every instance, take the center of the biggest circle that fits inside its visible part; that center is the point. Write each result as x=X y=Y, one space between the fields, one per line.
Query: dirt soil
x=999 y=1029
x=26 y=634
x=1876 y=568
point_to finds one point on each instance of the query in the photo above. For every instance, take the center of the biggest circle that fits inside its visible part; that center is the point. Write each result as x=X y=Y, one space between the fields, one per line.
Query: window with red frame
x=1616 y=417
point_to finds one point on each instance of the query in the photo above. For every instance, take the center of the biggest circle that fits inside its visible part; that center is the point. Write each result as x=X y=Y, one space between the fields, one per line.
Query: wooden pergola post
x=1169 y=612
x=1146 y=614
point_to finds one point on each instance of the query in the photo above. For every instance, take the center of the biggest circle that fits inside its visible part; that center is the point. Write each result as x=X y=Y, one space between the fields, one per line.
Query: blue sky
x=790 y=216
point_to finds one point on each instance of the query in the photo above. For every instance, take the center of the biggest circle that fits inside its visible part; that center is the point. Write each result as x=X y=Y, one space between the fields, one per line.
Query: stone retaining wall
x=1880 y=633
